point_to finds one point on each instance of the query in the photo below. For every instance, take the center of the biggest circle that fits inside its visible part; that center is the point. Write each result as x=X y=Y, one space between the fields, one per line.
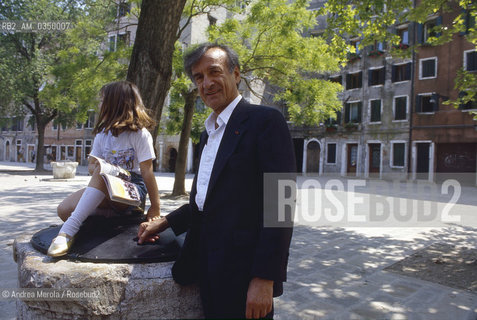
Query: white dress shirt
x=209 y=152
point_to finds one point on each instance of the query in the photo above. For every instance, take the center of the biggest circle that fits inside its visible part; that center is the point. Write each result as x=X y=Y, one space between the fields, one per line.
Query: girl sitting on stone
x=122 y=139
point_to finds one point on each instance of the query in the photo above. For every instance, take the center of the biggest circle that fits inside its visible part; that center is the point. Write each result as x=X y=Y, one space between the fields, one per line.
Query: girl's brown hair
x=121 y=109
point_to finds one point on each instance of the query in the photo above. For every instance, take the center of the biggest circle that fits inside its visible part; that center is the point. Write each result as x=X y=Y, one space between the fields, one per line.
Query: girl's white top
x=126 y=150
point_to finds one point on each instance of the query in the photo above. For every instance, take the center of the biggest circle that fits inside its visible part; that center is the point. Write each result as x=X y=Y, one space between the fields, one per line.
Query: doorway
x=374 y=159
x=313 y=157
x=7 y=151
x=352 y=158
x=422 y=166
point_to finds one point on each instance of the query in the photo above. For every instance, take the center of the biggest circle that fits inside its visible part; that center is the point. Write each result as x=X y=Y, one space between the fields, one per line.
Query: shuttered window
x=376 y=76
x=331 y=153
x=375 y=111
x=401 y=72
x=400 y=108
x=399 y=153
x=427 y=68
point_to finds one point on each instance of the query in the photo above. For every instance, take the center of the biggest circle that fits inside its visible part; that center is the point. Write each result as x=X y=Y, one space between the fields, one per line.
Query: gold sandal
x=60 y=249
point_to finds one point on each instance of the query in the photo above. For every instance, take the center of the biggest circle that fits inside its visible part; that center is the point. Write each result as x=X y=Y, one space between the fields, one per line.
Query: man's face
x=217 y=86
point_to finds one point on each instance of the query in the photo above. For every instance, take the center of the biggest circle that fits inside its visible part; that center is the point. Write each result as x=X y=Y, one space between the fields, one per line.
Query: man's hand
x=259 y=298
x=148 y=231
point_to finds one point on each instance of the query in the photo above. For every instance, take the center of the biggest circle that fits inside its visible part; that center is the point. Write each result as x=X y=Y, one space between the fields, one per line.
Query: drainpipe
x=411 y=105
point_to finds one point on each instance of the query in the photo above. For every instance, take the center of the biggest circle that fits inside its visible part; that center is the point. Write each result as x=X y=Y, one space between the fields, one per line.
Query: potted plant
x=353 y=56
x=351 y=126
x=375 y=53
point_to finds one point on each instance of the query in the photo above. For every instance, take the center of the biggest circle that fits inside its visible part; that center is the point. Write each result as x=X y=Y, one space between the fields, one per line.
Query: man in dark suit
x=239 y=263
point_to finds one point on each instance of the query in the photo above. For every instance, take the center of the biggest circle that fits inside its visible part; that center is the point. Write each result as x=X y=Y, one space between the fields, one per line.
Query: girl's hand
x=153 y=214
x=92 y=165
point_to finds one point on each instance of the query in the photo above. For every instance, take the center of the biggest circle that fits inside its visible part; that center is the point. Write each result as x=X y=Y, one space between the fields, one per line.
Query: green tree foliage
x=56 y=74
x=182 y=114
x=182 y=87
x=271 y=41
x=373 y=20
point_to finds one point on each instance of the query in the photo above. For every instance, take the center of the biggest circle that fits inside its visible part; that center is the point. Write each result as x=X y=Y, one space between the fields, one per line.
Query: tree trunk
x=40 y=152
x=150 y=67
x=181 y=161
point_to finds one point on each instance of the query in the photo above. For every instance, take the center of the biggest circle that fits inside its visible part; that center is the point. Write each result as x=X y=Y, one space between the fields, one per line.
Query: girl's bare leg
x=68 y=205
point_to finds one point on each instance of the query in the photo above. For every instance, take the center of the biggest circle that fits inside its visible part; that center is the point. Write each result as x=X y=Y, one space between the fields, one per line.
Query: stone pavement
x=334 y=272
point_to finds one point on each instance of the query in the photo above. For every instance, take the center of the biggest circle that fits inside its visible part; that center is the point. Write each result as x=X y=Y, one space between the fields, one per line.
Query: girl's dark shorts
x=141 y=187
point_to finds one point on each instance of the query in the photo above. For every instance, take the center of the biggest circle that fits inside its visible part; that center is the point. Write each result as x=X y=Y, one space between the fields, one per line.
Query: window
x=333 y=121
x=241 y=3
x=55 y=126
x=355 y=44
x=17 y=124
x=378 y=46
x=79 y=126
x=469 y=21
x=354 y=80
x=400 y=108
x=89 y=124
x=376 y=76
x=124 y=38
x=427 y=68
x=78 y=142
x=398 y=152
x=87 y=147
x=428 y=102
x=112 y=43
x=4 y=124
x=32 y=124
x=470 y=60
x=123 y=9
x=428 y=30
x=403 y=33
x=375 y=111
x=401 y=72
x=331 y=153
x=337 y=79
x=70 y=152
x=470 y=105
x=353 y=112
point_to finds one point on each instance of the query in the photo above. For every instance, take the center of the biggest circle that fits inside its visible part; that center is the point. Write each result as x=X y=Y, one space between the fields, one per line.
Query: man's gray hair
x=193 y=56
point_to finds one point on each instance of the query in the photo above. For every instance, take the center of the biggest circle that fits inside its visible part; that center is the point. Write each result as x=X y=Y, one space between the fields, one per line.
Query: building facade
x=444 y=139
x=393 y=124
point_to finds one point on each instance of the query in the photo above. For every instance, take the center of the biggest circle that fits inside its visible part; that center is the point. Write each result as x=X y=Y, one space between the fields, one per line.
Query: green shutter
x=420 y=33
x=398 y=154
x=346 y=115
x=408 y=71
x=382 y=75
x=360 y=110
x=418 y=103
x=435 y=106
x=438 y=23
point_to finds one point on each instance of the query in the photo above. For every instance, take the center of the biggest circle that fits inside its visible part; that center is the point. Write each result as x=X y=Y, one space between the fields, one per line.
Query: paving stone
x=334 y=273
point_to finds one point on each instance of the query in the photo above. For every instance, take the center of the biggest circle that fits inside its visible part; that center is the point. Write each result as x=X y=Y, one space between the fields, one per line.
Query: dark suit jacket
x=226 y=244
